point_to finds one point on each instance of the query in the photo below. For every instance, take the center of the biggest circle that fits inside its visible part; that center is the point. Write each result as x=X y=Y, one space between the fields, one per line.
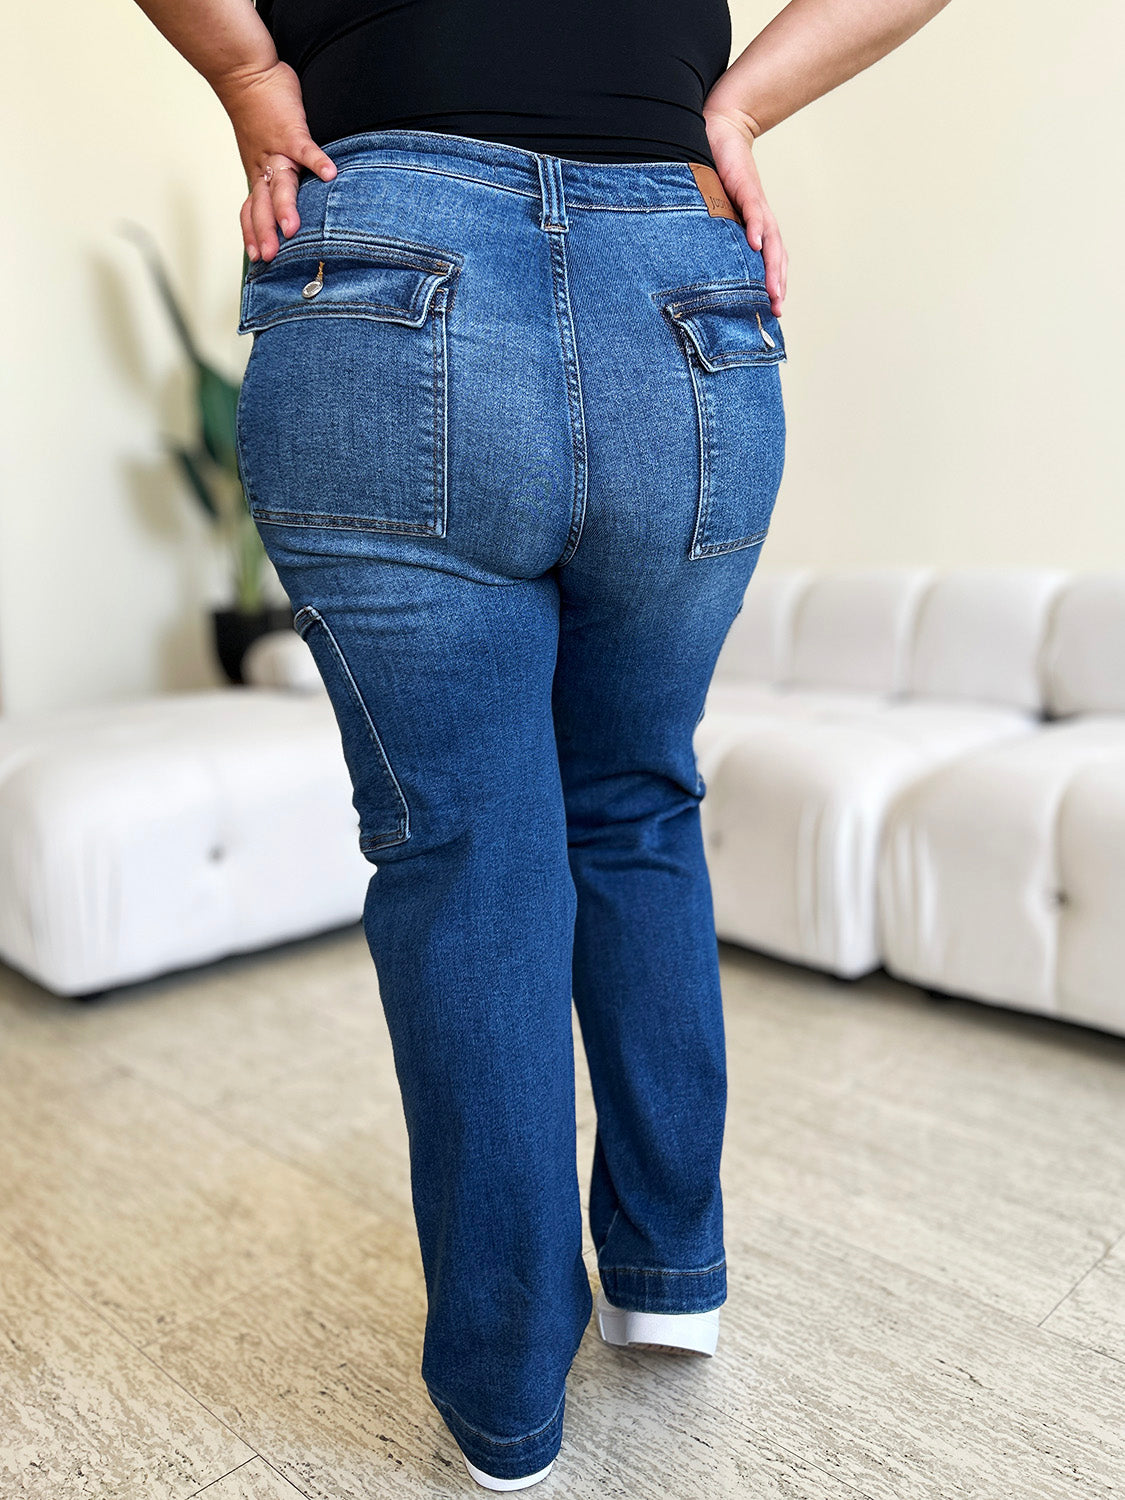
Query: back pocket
x=342 y=411
x=733 y=345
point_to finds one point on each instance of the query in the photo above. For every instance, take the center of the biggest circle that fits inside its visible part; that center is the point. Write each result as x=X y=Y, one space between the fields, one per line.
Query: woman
x=512 y=433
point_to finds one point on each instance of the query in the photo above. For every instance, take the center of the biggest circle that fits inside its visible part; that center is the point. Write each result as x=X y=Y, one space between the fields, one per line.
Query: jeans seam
x=654 y=1271
x=486 y=1436
x=401 y=832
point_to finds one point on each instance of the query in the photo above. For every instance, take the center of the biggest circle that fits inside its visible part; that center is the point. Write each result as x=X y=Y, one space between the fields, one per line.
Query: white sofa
x=927 y=771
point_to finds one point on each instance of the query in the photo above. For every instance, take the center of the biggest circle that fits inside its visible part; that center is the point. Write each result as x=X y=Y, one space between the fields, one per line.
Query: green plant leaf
x=192 y=471
x=147 y=246
x=218 y=403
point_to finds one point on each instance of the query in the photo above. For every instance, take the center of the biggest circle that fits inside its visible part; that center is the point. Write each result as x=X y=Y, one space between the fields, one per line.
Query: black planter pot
x=236 y=631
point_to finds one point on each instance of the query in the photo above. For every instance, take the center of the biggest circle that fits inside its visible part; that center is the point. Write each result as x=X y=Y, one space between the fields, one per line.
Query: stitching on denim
x=409 y=166
x=706 y=440
x=568 y=337
x=717 y=300
x=411 y=255
x=437 y=385
x=642 y=208
x=332 y=522
x=651 y=1271
x=486 y=1436
x=504 y=187
x=239 y=447
x=293 y=312
x=712 y=549
x=673 y=296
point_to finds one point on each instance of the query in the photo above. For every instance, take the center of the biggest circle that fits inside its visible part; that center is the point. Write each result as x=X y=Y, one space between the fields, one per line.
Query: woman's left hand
x=268 y=115
x=731 y=140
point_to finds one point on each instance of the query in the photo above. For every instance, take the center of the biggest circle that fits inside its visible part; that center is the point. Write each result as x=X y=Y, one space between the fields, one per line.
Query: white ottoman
x=794 y=810
x=1002 y=876
x=149 y=835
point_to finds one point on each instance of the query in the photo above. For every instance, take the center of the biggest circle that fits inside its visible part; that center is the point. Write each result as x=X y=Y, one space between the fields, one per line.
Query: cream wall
x=954 y=323
x=956 y=320
x=106 y=569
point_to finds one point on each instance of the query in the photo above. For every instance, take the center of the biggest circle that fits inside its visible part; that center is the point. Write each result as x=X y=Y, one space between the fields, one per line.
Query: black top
x=599 y=80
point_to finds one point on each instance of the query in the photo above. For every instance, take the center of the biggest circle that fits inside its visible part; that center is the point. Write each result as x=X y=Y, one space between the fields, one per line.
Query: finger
x=309 y=154
x=754 y=225
x=265 y=228
x=772 y=254
x=283 y=189
x=784 y=274
x=248 y=229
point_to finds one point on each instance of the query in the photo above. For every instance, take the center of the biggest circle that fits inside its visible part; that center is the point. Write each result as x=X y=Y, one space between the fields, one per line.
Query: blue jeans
x=512 y=431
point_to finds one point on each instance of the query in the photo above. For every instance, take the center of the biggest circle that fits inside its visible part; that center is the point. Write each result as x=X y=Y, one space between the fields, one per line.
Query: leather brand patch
x=711 y=189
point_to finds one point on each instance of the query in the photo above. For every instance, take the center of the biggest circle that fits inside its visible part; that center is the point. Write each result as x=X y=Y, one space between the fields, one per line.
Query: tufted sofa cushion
x=1084 y=655
x=141 y=837
x=1002 y=874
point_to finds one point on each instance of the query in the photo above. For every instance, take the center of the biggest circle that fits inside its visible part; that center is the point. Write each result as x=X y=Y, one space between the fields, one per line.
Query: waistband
x=561 y=183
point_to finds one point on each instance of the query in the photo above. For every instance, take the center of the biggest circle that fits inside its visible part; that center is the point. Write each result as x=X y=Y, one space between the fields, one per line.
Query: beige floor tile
x=321 y=1376
x=903 y=1388
x=41 y=1051
x=988 y=1197
x=215 y=1036
x=152 y=1211
x=250 y=1481
x=83 y=1414
x=1093 y=1313
x=341 y=1122
x=319 y=1373
x=1012 y=1225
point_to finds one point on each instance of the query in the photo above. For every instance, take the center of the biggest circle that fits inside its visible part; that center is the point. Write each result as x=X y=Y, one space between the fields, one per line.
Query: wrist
x=730 y=114
x=235 y=83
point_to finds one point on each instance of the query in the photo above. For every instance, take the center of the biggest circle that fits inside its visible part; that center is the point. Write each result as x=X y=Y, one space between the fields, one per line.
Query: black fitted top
x=599 y=80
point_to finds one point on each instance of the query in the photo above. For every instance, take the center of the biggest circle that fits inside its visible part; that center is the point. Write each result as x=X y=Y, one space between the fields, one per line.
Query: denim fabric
x=512 y=432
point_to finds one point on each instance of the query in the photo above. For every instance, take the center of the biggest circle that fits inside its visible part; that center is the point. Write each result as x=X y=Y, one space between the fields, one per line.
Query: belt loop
x=553 y=214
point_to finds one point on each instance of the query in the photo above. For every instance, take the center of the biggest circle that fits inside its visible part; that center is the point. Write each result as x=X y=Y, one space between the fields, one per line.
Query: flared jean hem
x=665 y=1291
x=505 y=1458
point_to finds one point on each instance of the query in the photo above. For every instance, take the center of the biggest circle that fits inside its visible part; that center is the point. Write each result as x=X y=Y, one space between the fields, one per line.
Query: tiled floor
x=209 y=1280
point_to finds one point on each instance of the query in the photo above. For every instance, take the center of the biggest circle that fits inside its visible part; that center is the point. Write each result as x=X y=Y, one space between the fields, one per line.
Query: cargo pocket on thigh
x=384 y=818
x=733 y=345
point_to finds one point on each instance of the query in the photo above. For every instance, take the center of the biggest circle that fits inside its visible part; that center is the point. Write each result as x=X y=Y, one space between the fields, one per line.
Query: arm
x=228 y=43
x=811 y=47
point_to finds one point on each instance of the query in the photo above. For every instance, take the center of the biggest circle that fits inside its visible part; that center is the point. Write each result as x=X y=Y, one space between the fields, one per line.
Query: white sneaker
x=673 y=1333
x=489 y=1483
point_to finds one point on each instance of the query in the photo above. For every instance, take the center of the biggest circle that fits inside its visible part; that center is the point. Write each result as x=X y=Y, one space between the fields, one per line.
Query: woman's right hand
x=268 y=115
x=731 y=141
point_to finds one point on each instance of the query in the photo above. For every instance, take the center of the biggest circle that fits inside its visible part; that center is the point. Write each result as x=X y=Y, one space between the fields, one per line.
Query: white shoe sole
x=674 y=1333
x=486 y=1481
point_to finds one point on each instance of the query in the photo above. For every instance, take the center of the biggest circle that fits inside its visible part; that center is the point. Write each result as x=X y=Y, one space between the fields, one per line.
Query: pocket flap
x=728 y=325
x=386 y=282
